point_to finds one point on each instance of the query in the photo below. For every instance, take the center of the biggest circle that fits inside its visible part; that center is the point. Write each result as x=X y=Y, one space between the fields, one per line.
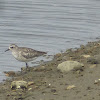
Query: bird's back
x=30 y=53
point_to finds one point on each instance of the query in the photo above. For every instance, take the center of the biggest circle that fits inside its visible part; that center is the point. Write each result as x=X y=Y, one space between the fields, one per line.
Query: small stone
x=41 y=68
x=53 y=90
x=9 y=73
x=30 y=83
x=58 y=55
x=93 y=66
x=70 y=87
x=97 y=81
x=29 y=89
x=92 y=61
x=14 y=93
x=55 y=93
x=86 y=56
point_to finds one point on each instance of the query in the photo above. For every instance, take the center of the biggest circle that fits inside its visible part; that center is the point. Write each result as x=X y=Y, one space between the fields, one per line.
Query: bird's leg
x=25 y=69
x=26 y=65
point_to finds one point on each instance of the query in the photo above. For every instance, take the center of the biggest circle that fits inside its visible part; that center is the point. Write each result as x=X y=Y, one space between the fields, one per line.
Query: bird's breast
x=18 y=56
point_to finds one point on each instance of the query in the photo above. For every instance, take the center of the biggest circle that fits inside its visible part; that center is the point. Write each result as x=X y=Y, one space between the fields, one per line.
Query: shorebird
x=24 y=54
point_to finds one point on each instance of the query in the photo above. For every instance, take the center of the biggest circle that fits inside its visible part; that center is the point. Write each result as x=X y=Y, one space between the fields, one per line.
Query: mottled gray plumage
x=24 y=54
x=30 y=53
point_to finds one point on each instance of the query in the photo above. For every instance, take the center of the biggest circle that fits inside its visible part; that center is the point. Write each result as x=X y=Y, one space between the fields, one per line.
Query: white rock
x=69 y=65
x=18 y=84
x=86 y=56
x=70 y=87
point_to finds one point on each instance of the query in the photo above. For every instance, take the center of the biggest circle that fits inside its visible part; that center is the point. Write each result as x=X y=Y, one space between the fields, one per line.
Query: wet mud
x=46 y=82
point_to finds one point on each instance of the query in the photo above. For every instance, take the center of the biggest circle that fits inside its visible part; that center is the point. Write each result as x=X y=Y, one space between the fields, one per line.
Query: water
x=46 y=25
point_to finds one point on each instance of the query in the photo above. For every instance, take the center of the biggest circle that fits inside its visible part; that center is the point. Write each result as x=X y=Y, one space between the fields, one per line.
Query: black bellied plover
x=24 y=54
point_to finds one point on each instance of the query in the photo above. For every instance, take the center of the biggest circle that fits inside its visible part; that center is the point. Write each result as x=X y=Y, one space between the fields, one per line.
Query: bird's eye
x=11 y=47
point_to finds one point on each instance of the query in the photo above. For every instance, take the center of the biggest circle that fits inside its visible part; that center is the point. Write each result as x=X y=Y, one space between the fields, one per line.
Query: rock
x=86 y=56
x=93 y=66
x=70 y=87
x=69 y=65
x=29 y=89
x=57 y=55
x=41 y=68
x=97 y=81
x=9 y=73
x=30 y=83
x=94 y=60
x=19 y=85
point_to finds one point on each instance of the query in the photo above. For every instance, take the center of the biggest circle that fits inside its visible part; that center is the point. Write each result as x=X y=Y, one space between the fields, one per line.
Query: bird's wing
x=31 y=53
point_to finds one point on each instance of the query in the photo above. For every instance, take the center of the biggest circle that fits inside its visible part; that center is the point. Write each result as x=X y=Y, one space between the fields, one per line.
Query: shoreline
x=48 y=83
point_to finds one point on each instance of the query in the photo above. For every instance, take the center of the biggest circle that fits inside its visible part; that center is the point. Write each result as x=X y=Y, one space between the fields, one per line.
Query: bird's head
x=12 y=47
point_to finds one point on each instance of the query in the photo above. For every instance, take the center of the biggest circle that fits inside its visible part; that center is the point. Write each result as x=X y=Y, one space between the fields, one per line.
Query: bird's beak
x=7 y=50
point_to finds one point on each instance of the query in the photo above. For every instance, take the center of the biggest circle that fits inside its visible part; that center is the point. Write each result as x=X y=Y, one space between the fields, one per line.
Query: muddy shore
x=48 y=83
